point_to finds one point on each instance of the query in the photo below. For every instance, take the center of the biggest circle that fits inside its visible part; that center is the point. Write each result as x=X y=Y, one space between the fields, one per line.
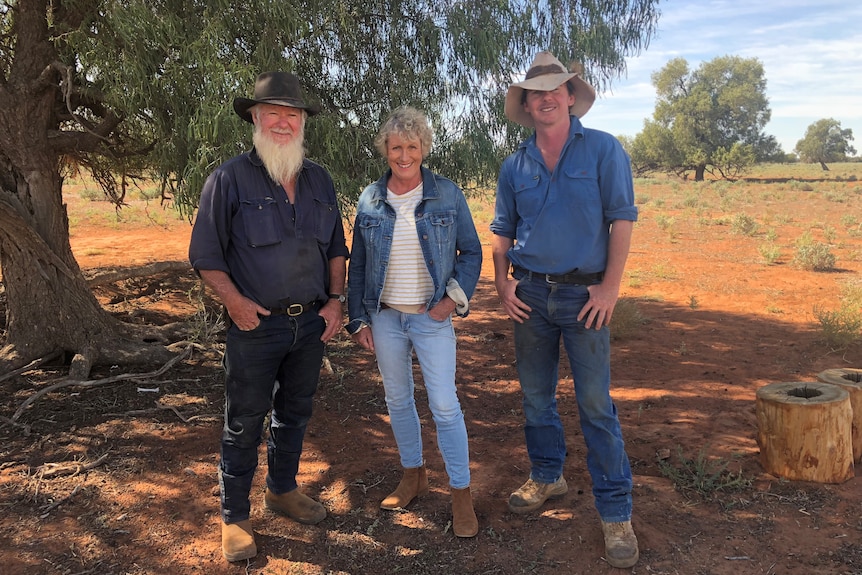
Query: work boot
x=237 y=541
x=295 y=505
x=464 y=522
x=621 y=545
x=414 y=482
x=533 y=494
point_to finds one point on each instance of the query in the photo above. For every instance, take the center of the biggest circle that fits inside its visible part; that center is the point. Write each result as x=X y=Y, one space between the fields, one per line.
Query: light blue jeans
x=554 y=314
x=396 y=336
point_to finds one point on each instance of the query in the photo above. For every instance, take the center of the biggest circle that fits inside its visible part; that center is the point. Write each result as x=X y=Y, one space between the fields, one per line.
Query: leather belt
x=294 y=309
x=573 y=278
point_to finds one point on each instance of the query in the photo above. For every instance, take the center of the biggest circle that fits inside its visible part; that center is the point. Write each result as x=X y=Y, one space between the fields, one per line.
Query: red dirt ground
x=717 y=323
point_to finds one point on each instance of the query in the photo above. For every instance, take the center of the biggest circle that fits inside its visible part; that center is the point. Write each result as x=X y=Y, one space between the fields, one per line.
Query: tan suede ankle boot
x=296 y=505
x=413 y=483
x=464 y=522
x=237 y=541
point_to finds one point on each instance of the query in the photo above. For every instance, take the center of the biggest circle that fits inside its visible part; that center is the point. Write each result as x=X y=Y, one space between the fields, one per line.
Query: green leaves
x=171 y=68
x=825 y=142
x=708 y=119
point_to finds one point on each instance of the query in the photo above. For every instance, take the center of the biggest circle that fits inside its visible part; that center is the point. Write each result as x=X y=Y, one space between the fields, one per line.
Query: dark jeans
x=277 y=366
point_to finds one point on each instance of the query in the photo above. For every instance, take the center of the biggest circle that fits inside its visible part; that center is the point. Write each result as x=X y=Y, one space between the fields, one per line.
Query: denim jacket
x=447 y=236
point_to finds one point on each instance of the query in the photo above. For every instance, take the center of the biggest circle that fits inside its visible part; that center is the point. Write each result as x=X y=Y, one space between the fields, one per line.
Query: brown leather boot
x=296 y=505
x=413 y=483
x=237 y=541
x=464 y=522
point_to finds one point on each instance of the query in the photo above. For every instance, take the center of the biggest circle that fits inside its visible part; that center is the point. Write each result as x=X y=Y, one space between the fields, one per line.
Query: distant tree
x=825 y=141
x=707 y=120
x=767 y=149
x=142 y=89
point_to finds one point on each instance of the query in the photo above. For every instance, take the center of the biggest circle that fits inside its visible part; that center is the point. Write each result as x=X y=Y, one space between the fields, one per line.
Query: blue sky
x=811 y=52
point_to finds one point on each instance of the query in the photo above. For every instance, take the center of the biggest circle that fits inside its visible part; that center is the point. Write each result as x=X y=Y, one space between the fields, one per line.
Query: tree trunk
x=804 y=431
x=698 y=173
x=49 y=306
x=824 y=166
x=849 y=379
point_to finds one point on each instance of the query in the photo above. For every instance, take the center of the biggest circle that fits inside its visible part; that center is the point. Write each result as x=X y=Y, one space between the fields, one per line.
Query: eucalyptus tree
x=133 y=89
x=824 y=142
x=707 y=120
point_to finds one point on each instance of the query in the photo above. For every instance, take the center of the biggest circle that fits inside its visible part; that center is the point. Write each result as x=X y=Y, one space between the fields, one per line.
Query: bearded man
x=268 y=240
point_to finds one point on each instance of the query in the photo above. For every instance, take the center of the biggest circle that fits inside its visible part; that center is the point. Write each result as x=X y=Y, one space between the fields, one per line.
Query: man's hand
x=514 y=307
x=333 y=316
x=245 y=313
x=600 y=307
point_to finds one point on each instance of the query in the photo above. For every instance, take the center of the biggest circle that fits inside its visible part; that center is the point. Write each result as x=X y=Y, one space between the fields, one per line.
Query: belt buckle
x=548 y=279
x=295 y=309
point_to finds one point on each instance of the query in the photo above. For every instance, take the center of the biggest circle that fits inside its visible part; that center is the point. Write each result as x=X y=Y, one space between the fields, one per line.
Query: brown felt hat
x=546 y=73
x=278 y=88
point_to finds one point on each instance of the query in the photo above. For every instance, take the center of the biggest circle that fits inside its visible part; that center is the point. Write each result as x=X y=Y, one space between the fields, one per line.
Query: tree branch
x=97 y=382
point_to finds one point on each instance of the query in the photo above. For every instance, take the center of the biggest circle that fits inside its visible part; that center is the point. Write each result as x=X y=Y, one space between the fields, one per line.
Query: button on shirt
x=561 y=220
x=276 y=253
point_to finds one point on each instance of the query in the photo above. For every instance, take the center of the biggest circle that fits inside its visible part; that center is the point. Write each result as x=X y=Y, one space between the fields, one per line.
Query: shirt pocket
x=325 y=218
x=260 y=218
x=371 y=229
x=530 y=194
x=582 y=185
x=443 y=228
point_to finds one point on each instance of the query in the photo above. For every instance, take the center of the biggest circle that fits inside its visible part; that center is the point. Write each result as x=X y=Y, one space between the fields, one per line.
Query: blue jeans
x=537 y=350
x=275 y=366
x=396 y=335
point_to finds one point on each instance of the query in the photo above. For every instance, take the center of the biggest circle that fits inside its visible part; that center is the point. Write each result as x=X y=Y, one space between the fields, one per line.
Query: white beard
x=282 y=161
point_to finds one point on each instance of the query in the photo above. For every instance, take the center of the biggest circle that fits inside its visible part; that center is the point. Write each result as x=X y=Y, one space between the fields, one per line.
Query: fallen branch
x=161 y=406
x=98 y=382
x=49 y=470
x=32 y=365
x=24 y=427
x=147 y=270
x=47 y=509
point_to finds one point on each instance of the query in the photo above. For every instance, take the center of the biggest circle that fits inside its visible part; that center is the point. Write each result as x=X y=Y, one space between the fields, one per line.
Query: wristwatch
x=339 y=296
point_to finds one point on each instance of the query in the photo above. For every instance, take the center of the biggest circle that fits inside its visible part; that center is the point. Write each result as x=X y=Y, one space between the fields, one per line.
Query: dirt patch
x=121 y=478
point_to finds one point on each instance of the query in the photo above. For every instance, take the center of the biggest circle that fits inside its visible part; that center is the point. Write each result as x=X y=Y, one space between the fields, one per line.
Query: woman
x=415 y=260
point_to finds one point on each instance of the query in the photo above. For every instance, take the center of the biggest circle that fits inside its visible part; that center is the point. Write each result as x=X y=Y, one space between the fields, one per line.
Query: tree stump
x=804 y=431
x=851 y=380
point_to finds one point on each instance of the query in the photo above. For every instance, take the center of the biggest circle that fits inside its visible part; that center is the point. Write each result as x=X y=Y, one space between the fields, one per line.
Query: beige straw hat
x=545 y=74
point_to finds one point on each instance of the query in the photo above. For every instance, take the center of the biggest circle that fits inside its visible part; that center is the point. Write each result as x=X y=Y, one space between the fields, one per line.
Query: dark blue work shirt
x=275 y=252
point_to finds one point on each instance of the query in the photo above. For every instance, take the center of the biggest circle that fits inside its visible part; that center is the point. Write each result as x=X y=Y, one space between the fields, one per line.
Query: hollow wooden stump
x=804 y=431
x=850 y=380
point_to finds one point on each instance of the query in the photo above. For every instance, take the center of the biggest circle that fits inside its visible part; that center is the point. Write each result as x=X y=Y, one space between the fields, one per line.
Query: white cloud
x=810 y=51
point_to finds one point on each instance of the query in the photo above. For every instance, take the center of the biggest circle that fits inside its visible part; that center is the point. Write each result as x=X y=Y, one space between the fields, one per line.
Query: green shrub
x=769 y=252
x=702 y=475
x=665 y=223
x=813 y=255
x=744 y=224
x=93 y=195
x=627 y=319
x=842 y=327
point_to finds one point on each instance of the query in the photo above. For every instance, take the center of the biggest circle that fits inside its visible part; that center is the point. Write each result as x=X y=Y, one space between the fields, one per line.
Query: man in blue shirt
x=268 y=240
x=563 y=223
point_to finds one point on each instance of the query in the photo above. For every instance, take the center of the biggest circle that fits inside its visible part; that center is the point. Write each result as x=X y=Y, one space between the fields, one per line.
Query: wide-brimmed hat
x=545 y=74
x=279 y=88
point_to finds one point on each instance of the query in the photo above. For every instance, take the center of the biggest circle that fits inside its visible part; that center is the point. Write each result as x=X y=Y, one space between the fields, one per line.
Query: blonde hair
x=410 y=124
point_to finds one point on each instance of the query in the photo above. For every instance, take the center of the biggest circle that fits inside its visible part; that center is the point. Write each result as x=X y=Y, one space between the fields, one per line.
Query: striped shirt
x=407 y=283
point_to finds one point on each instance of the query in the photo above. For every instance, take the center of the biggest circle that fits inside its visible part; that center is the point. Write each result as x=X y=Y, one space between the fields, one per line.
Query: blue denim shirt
x=561 y=219
x=447 y=236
